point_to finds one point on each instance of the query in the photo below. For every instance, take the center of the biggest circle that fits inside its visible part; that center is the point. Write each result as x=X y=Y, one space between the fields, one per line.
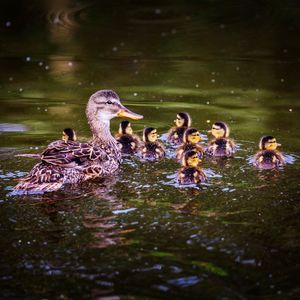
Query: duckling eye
x=109 y=102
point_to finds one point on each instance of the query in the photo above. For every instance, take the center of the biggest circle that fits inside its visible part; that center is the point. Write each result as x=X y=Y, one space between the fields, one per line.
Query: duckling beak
x=126 y=113
x=278 y=145
x=209 y=131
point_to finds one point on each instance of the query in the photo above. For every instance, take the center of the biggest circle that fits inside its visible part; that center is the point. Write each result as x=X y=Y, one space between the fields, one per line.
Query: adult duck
x=71 y=162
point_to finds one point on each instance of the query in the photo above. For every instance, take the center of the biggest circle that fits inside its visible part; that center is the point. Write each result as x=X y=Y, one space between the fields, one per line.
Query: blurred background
x=141 y=237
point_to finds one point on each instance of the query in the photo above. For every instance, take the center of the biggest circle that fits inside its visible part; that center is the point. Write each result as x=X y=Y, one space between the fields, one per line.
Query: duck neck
x=101 y=133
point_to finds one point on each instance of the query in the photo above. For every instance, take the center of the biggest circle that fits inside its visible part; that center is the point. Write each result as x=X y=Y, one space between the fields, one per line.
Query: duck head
x=183 y=119
x=191 y=135
x=190 y=159
x=105 y=105
x=268 y=142
x=125 y=128
x=150 y=135
x=69 y=134
x=220 y=130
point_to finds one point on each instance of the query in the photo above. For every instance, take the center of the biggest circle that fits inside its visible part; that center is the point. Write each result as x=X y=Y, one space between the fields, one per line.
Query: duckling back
x=191 y=175
x=128 y=143
x=268 y=159
x=221 y=147
x=152 y=151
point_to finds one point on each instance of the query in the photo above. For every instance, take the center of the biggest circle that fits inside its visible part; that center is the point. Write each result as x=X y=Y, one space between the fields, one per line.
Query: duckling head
x=125 y=128
x=183 y=119
x=268 y=142
x=191 y=135
x=69 y=134
x=220 y=130
x=105 y=105
x=190 y=159
x=150 y=135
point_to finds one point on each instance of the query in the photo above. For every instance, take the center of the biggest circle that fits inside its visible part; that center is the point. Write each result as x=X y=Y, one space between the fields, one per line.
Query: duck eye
x=109 y=102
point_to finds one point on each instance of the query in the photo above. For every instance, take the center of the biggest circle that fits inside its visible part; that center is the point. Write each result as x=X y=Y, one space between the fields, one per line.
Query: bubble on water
x=173 y=31
x=213 y=80
x=135 y=94
x=45 y=109
x=47 y=67
x=41 y=63
x=207 y=102
x=290 y=109
x=115 y=49
x=135 y=61
x=197 y=85
x=157 y=11
x=232 y=92
x=20 y=90
x=28 y=58
x=207 y=121
x=237 y=68
x=10 y=78
x=8 y=24
x=70 y=64
x=281 y=80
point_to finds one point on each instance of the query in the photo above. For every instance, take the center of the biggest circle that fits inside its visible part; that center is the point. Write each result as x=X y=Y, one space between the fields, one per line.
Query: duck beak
x=126 y=113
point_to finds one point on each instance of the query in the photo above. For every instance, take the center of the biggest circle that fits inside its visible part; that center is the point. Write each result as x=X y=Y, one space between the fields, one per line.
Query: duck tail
x=36 y=156
x=27 y=187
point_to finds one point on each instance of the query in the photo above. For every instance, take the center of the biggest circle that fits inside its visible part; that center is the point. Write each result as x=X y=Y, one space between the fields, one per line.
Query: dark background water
x=139 y=236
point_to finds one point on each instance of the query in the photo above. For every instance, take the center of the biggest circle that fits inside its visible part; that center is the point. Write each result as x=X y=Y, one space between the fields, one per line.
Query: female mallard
x=129 y=141
x=268 y=157
x=191 y=138
x=152 y=149
x=190 y=173
x=222 y=145
x=182 y=122
x=75 y=162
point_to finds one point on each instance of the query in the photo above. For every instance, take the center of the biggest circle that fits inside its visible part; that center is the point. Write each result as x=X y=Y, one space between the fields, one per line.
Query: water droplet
x=290 y=109
x=197 y=85
x=28 y=58
x=135 y=94
x=207 y=121
x=20 y=90
x=207 y=102
x=8 y=24
x=213 y=80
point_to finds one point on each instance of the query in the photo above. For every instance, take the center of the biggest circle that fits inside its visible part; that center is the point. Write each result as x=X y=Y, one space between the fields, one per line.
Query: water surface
x=138 y=235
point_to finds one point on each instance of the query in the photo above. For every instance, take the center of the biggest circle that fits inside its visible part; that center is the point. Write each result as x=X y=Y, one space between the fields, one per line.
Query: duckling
x=222 y=145
x=182 y=122
x=190 y=173
x=129 y=141
x=268 y=157
x=191 y=138
x=151 y=148
x=68 y=135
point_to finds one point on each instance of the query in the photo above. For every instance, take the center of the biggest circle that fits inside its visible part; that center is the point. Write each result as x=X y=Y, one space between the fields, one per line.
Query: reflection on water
x=140 y=235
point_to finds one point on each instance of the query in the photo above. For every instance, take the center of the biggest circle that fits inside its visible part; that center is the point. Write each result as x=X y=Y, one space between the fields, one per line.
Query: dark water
x=140 y=236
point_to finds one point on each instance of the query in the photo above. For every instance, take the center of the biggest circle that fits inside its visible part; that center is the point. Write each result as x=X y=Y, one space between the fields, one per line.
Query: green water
x=138 y=235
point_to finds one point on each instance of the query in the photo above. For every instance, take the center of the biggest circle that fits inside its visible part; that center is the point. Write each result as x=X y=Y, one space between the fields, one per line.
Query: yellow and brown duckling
x=191 y=138
x=182 y=122
x=129 y=141
x=152 y=149
x=191 y=173
x=221 y=145
x=69 y=134
x=268 y=157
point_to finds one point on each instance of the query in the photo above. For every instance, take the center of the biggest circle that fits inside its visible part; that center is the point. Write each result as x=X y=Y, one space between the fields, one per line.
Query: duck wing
x=72 y=154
